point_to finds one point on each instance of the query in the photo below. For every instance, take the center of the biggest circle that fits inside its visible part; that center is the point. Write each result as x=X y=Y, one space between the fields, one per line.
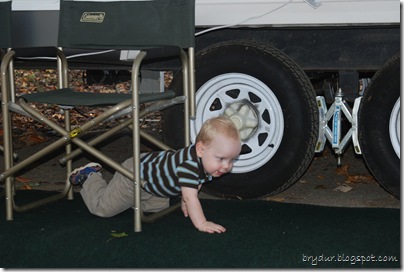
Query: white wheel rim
x=394 y=127
x=266 y=137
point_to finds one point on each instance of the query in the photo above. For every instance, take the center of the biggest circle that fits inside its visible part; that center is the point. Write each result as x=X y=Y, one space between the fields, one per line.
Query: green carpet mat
x=259 y=235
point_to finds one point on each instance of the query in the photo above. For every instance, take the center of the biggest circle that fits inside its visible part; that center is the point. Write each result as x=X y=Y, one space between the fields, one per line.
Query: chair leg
x=67 y=191
x=189 y=112
x=136 y=140
x=15 y=155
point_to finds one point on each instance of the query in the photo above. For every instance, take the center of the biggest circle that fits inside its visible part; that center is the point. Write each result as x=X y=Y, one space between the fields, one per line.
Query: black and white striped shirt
x=166 y=171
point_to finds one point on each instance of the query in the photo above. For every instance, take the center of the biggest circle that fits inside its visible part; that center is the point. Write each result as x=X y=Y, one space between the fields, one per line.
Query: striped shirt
x=166 y=171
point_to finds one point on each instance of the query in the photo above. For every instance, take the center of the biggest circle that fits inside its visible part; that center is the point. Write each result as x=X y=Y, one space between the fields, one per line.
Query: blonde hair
x=217 y=125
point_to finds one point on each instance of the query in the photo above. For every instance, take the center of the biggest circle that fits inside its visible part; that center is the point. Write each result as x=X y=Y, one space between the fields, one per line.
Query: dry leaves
x=27 y=184
x=362 y=178
x=28 y=132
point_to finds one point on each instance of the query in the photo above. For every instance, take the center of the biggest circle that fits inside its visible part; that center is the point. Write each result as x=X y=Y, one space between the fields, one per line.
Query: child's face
x=218 y=156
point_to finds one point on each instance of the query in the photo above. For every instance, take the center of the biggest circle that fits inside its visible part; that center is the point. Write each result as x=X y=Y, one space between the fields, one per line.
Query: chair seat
x=69 y=97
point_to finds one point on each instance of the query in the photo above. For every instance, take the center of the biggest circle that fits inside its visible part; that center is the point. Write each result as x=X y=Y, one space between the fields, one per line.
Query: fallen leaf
x=34 y=184
x=119 y=235
x=22 y=179
x=342 y=170
x=343 y=188
x=25 y=187
x=360 y=179
x=32 y=139
x=115 y=234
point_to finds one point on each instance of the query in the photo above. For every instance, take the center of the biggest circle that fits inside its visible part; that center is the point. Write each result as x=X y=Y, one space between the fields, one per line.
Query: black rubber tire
x=373 y=121
x=296 y=96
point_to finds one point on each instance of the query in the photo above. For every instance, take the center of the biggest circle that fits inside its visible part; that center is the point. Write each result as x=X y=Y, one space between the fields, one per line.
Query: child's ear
x=200 y=149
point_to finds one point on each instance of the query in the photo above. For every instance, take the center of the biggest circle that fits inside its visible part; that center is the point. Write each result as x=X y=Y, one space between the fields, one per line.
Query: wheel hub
x=244 y=116
x=254 y=109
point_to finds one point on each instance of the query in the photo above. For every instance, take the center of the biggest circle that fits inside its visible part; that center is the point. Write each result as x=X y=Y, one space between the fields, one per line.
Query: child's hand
x=211 y=227
x=191 y=207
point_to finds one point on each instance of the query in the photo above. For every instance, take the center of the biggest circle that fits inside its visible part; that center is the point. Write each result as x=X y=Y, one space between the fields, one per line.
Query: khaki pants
x=108 y=199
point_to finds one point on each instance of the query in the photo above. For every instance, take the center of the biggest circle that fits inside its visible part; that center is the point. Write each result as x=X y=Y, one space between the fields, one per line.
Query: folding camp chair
x=5 y=27
x=157 y=28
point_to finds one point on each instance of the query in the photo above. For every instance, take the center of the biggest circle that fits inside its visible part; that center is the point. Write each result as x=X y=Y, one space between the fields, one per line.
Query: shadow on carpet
x=259 y=234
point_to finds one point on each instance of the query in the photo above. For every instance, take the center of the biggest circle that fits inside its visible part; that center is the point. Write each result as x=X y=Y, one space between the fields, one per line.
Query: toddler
x=166 y=174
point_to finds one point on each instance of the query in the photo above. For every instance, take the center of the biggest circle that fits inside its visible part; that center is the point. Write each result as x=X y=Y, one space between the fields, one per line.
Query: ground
x=350 y=185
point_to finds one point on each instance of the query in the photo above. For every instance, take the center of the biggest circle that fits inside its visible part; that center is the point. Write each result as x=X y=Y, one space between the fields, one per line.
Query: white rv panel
x=296 y=12
x=273 y=12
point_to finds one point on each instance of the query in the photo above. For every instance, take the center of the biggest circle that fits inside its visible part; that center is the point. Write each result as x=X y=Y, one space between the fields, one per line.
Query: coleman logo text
x=92 y=17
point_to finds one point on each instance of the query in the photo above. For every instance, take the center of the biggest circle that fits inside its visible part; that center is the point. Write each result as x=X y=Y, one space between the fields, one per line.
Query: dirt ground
x=349 y=185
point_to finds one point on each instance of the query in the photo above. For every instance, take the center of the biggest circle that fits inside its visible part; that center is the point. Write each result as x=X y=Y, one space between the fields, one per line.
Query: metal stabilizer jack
x=333 y=134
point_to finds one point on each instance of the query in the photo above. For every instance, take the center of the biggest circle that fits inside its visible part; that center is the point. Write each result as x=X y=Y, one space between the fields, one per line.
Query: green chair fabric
x=5 y=24
x=127 y=24
x=69 y=97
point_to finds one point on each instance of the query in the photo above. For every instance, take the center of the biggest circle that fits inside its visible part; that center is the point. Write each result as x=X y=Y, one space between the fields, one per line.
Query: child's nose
x=227 y=165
